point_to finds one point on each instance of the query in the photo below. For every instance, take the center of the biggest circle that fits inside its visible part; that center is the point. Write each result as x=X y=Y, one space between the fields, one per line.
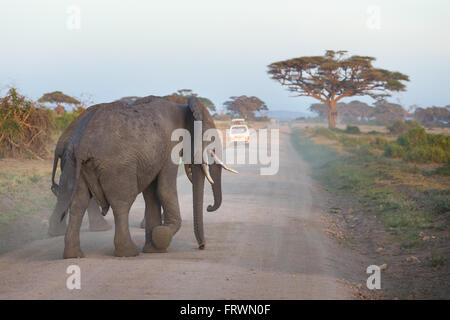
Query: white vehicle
x=237 y=121
x=239 y=132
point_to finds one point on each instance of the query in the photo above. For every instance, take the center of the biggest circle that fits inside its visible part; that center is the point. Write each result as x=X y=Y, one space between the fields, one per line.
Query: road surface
x=267 y=241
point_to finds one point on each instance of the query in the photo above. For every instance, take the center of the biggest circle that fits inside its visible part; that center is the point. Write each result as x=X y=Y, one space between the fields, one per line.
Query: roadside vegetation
x=25 y=126
x=392 y=208
x=29 y=129
x=409 y=188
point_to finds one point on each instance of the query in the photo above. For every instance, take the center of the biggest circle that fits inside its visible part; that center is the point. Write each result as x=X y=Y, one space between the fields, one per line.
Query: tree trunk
x=332 y=115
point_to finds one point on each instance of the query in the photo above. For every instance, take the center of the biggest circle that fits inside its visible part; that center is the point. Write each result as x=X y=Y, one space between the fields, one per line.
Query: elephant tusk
x=229 y=169
x=205 y=170
x=188 y=170
x=216 y=158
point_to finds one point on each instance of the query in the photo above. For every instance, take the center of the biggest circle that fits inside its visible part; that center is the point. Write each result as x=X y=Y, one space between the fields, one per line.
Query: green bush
x=400 y=127
x=352 y=130
x=63 y=121
x=426 y=154
x=439 y=140
x=394 y=150
x=415 y=136
x=418 y=146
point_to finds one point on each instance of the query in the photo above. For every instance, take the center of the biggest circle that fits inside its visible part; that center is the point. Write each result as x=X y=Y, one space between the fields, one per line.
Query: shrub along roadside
x=418 y=146
x=367 y=178
x=63 y=120
x=401 y=127
x=25 y=127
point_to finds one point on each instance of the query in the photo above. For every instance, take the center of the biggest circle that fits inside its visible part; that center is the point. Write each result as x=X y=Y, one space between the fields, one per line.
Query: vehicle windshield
x=238 y=129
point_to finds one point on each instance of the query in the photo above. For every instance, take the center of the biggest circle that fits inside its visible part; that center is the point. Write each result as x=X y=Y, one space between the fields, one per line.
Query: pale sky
x=216 y=48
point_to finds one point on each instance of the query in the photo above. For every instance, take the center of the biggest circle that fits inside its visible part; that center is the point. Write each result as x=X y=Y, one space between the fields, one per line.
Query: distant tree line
x=384 y=113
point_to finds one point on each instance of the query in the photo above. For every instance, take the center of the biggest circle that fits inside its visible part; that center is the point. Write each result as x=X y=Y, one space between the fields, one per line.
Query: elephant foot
x=127 y=250
x=99 y=225
x=57 y=230
x=149 y=248
x=72 y=253
x=143 y=224
x=161 y=237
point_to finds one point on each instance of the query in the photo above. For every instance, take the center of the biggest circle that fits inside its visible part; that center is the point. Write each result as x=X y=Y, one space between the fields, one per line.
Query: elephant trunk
x=216 y=174
x=198 y=178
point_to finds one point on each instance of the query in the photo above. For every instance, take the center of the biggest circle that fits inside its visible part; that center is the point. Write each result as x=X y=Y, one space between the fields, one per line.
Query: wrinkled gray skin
x=119 y=151
x=57 y=226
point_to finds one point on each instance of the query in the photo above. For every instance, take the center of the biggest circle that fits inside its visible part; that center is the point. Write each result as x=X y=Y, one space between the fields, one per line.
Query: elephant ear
x=196 y=107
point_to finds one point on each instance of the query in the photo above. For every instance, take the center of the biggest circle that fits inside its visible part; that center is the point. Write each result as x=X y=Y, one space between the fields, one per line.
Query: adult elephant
x=58 y=225
x=119 y=151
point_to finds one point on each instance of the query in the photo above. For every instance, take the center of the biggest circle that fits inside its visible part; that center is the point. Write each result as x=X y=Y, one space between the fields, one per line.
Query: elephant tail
x=70 y=176
x=55 y=186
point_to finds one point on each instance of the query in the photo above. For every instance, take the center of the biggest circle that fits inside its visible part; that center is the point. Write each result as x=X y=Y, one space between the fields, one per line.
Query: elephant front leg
x=167 y=195
x=124 y=246
x=152 y=218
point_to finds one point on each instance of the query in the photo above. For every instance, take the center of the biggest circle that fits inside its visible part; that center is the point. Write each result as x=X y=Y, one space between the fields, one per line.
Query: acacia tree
x=58 y=98
x=335 y=76
x=244 y=106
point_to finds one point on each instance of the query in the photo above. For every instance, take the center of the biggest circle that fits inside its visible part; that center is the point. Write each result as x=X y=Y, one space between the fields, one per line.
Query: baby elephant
x=58 y=225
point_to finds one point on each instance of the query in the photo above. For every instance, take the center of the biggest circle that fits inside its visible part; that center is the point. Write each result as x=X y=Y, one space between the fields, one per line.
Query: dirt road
x=267 y=241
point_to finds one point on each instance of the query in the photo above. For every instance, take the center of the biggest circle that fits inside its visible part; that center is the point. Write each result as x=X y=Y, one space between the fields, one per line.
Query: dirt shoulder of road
x=393 y=214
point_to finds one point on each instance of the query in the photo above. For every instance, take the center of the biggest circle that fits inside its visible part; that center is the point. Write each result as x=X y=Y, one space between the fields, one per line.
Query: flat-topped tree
x=58 y=98
x=334 y=76
x=245 y=107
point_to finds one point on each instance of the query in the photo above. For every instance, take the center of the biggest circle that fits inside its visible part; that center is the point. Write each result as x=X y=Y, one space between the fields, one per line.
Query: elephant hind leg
x=153 y=217
x=124 y=245
x=57 y=226
x=96 y=220
x=167 y=194
x=79 y=205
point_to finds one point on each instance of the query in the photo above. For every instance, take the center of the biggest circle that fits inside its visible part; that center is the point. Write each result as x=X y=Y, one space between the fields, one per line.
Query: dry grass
x=409 y=197
x=366 y=128
x=24 y=189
